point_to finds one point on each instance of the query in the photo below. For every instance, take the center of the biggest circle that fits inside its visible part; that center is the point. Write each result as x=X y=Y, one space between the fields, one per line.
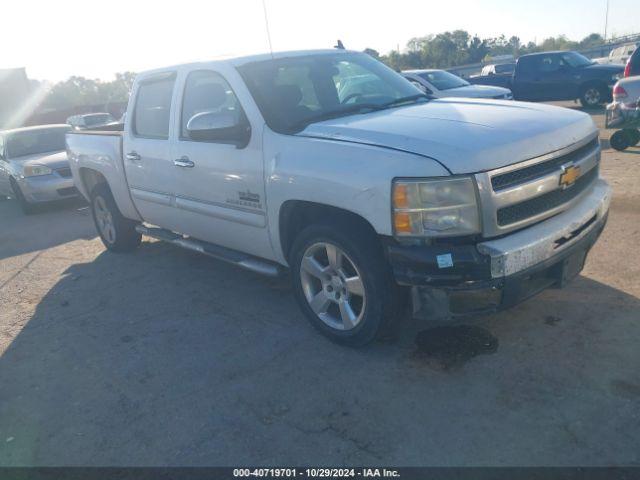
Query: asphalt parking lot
x=165 y=357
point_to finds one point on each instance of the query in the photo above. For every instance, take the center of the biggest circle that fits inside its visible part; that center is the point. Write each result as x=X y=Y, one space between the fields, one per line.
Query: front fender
x=346 y=175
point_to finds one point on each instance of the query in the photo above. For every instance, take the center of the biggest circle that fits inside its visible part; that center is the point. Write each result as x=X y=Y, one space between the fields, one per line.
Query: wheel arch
x=89 y=179
x=593 y=82
x=295 y=215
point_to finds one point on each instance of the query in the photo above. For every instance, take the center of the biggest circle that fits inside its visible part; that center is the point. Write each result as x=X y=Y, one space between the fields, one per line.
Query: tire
x=619 y=141
x=117 y=233
x=633 y=136
x=349 y=312
x=27 y=207
x=593 y=95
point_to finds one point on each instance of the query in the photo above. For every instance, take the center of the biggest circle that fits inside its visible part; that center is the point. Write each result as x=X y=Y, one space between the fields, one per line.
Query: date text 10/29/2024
x=316 y=473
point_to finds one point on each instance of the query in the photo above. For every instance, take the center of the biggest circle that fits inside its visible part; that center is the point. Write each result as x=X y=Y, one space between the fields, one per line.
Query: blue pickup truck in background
x=557 y=76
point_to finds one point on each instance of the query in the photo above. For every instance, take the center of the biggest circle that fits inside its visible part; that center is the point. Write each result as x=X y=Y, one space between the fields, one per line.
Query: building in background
x=15 y=89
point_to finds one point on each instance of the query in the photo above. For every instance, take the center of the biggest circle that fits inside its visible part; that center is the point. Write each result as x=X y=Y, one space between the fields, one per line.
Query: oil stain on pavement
x=452 y=346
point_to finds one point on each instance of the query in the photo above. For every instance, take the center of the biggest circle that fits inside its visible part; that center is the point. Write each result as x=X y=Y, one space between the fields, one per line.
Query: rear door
x=543 y=77
x=147 y=149
x=219 y=184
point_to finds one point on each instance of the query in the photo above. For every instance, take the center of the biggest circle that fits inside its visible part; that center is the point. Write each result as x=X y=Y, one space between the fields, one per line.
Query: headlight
x=435 y=207
x=36 y=170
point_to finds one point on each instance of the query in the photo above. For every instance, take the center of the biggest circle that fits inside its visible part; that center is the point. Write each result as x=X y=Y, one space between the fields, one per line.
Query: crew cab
x=557 y=76
x=267 y=162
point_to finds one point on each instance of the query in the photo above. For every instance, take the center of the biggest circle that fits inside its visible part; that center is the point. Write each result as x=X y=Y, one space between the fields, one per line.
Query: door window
x=207 y=91
x=549 y=64
x=153 y=108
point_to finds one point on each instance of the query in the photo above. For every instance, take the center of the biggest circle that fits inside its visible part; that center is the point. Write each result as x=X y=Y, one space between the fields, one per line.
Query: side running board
x=242 y=260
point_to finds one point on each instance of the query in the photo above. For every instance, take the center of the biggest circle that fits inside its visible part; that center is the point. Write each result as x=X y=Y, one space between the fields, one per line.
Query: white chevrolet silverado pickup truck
x=330 y=165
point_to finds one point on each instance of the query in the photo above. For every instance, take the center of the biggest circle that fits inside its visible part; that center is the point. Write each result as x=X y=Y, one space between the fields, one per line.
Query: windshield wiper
x=357 y=108
x=400 y=101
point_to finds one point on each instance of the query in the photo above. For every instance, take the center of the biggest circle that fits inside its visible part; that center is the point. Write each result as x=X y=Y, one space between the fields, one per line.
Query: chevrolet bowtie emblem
x=570 y=174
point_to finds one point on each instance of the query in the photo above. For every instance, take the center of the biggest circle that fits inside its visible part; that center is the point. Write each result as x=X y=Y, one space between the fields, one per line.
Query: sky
x=55 y=39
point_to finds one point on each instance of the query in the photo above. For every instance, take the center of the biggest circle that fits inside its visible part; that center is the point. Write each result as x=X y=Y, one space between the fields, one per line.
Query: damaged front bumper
x=497 y=274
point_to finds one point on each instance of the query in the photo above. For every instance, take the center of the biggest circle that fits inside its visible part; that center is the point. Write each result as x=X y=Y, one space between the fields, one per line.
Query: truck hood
x=52 y=160
x=464 y=135
x=604 y=68
x=474 y=91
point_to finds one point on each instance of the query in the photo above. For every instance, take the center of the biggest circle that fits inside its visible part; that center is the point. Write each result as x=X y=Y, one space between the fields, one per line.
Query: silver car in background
x=33 y=165
x=442 y=84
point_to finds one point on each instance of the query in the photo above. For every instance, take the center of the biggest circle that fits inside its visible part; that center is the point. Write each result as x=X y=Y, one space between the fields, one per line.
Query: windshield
x=574 y=59
x=293 y=92
x=32 y=142
x=443 y=80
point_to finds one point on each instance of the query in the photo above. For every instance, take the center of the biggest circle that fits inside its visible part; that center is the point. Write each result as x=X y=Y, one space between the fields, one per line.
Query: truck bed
x=100 y=150
x=498 y=80
x=112 y=129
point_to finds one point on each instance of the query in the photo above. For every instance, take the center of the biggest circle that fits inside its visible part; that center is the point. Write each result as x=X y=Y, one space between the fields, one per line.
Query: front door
x=219 y=183
x=147 y=150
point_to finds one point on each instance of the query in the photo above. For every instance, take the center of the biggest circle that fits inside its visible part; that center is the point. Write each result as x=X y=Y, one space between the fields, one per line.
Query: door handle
x=183 y=162
x=133 y=157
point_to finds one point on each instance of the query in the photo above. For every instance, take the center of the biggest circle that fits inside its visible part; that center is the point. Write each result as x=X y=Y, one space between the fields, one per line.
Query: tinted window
x=527 y=64
x=207 y=91
x=574 y=59
x=32 y=142
x=153 y=108
x=549 y=63
x=634 y=63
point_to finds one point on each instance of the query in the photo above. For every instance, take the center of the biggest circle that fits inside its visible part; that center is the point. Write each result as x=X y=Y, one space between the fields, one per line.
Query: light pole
x=606 y=21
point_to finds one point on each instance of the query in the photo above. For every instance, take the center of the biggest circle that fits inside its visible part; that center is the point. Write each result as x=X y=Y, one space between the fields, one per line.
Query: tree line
x=444 y=50
x=450 y=49
x=81 y=91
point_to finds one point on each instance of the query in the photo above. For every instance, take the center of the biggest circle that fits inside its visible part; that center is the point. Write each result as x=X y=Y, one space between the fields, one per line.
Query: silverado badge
x=570 y=174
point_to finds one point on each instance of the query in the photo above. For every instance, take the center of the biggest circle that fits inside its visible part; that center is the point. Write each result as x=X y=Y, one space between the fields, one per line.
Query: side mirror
x=219 y=127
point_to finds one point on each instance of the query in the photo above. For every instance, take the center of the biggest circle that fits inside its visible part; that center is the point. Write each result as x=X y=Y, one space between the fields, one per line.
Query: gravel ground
x=164 y=357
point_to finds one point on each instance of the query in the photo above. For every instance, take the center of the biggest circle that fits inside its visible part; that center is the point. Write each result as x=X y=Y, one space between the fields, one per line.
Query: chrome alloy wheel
x=104 y=220
x=592 y=96
x=332 y=286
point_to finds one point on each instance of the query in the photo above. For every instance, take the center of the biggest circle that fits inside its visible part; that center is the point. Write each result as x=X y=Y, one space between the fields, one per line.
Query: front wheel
x=592 y=96
x=27 y=207
x=117 y=233
x=342 y=283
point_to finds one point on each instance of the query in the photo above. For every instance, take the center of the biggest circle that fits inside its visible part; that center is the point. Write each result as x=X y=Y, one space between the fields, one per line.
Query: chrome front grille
x=520 y=195
x=543 y=203
x=515 y=177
